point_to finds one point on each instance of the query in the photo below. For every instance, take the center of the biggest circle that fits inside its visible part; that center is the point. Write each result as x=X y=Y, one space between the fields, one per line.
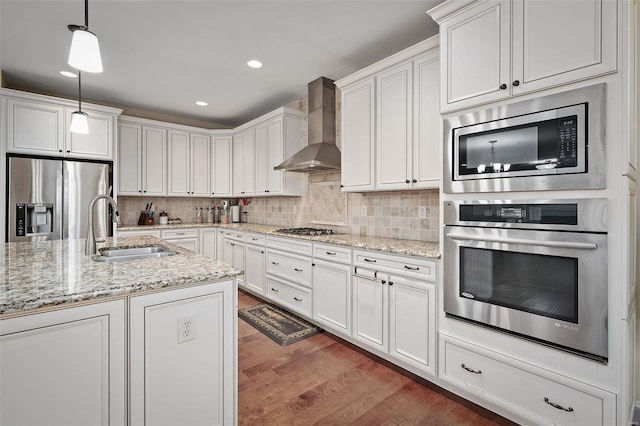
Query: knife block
x=142 y=220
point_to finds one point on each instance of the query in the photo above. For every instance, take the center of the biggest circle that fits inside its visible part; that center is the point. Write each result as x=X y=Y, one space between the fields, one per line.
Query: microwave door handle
x=554 y=244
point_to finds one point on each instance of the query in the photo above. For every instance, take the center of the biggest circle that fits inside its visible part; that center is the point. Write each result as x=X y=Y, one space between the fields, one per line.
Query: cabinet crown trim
x=268 y=116
x=404 y=55
x=35 y=97
x=447 y=8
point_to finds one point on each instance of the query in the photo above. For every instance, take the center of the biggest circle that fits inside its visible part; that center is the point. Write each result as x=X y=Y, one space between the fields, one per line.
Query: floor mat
x=279 y=325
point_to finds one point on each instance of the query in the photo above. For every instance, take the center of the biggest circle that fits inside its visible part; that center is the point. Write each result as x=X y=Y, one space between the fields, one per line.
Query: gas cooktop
x=306 y=231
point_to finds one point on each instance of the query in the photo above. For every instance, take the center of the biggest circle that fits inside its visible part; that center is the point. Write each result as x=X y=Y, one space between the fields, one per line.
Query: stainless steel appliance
x=48 y=199
x=537 y=269
x=306 y=231
x=546 y=143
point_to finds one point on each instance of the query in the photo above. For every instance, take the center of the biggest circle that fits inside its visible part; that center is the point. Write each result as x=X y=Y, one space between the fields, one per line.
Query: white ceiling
x=162 y=56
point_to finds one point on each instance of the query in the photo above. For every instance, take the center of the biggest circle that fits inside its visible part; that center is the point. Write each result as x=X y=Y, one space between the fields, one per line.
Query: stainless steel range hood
x=321 y=153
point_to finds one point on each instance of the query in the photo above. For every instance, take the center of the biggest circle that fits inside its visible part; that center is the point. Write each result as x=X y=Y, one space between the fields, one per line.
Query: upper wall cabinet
x=142 y=159
x=39 y=125
x=221 y=159
x=262 y=144
x=391 y=122
x=189 y=164
x=496 y=49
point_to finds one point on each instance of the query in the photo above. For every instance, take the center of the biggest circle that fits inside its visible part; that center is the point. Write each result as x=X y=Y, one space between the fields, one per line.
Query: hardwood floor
x=327 y=381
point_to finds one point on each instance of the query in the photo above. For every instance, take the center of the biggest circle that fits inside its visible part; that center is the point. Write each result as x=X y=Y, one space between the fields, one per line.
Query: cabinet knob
x=384 y=281
x=274 y=263
x=516 y=83
x=68 y=151
x=415 y=181
x=407 y=181
x=503 y=86
x=313 y=264
x=59 y=150
x=390 y=282
x=140 y=191
x=266 y=190
x=341 y=186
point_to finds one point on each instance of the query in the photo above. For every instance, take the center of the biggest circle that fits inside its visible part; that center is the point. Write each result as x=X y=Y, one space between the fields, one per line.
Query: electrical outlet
x=422 y=212
x=363 y=211
x=186 y=328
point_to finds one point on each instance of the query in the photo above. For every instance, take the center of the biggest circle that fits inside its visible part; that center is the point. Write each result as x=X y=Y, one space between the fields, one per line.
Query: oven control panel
x=551 y=214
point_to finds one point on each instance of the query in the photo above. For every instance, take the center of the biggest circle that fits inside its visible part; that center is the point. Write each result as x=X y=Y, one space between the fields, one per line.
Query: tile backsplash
x=392 y=214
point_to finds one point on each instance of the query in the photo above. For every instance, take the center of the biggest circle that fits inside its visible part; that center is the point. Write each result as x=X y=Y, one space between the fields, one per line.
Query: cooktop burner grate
x=306 y=231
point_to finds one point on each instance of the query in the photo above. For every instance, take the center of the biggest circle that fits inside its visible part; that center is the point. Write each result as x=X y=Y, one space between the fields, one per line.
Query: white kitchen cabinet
x=189 y=160
x=220 y=245
x=332 y=295
x=142 y=160
x=392 y=110
x=293 y=297
x=182 y=363
x=207 y=237
x=40 y=125
x=495 y=49
x=254 y=276
x=262 y=158
x=358 y=133
x=64 y=367
x=151 y=232
x=370 y=309
x=234 y=252
x=221 y=160
x=183 y=237
x=547 y=398
x=244 y=163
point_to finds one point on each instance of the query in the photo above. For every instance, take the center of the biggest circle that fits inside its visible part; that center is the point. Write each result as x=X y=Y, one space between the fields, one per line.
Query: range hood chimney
x=321 y=153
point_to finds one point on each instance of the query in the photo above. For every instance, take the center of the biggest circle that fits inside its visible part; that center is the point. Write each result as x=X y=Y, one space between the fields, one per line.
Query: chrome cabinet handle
x=179 y=233
x=331 y=253
x=411 y=268
x=297 y=269
x=470 y=370
x=297 y=300
x=558 y=406
x=557 y=244
x=370 y=260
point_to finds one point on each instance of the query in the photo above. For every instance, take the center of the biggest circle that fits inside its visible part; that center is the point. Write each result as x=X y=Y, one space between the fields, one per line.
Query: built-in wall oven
x=537 y=269
x=546 y=143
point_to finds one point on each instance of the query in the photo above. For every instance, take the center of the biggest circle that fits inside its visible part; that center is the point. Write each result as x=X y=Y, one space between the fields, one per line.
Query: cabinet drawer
x=541 y=400
x=150 y=232
x=293 y=297
x=234 y=235
x=168 y=234
x=332 y=253
x=290 y=244
x=290 y=267
x=411 y=267
x=256 y=239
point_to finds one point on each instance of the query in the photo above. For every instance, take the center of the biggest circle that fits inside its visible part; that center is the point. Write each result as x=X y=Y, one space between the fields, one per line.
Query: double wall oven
x=536 y=267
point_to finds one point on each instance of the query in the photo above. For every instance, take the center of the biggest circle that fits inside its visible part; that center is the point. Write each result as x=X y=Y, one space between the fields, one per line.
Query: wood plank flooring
x=324 y=380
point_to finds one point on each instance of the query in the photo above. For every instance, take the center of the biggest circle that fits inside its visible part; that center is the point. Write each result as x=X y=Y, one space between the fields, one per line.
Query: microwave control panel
x=568 y=141
x=548 y=214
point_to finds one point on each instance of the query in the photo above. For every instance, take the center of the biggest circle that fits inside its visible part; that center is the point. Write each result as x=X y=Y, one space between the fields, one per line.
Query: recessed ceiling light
x=254 y=63
x=69 y=74
x=201 y=103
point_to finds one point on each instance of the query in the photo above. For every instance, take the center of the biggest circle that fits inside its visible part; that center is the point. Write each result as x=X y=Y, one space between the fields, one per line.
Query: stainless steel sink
x=129 y=253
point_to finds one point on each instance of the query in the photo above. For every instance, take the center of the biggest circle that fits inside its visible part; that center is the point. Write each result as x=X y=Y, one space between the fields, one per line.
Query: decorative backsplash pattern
x=391 y=214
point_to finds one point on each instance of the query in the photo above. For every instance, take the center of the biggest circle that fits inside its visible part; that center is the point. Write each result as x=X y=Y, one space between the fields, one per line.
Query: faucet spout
x=90 y=247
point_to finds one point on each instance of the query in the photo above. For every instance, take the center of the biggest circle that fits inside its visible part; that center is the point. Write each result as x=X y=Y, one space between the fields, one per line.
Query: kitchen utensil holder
x=142 y=220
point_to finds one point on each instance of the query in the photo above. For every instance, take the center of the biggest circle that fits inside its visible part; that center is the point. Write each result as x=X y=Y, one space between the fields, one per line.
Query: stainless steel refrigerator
x=48 y=199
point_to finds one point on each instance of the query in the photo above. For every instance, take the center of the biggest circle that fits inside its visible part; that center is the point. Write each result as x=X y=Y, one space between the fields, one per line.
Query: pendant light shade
x=85 y=51
x=79 y=123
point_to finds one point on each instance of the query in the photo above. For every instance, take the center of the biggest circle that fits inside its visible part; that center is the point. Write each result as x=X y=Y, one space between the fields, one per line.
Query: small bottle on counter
x=198 y=215
x=209 y=215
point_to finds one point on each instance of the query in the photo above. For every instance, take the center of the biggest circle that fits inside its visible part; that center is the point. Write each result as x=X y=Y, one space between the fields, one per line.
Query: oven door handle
x=555 y=244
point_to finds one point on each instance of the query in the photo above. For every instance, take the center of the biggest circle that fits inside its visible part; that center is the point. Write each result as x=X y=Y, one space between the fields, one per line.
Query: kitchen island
x=129 y=342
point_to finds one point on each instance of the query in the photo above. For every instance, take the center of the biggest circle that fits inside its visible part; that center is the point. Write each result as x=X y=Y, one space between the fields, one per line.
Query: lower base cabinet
x=64 y=367
x=332 y=295
x=254 y=275
x=69 y=366
x=293 y=297
x=536 y=395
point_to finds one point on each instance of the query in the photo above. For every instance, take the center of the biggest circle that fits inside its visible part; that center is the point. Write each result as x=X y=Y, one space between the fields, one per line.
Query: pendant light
x=85 y=51
x=79 y=123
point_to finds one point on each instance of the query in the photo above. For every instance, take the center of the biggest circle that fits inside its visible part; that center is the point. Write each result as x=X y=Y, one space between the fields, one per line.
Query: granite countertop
x=388 y=245
x=48 y=273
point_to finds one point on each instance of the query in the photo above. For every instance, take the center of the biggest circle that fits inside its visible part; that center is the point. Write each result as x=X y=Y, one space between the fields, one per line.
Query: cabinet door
x=254 y=276
x=183 y=358
x=239 y=260
x=34 y=128
x=64 y=367
x=358 y=132
x=587 y=29
x=154 y=161
x=221 y=166
x=394 y=128
x=220 y=246
x=186 y=243
x=238 y=165
x=370 y=312
x=97 y=143
x=130 y=159
x=208 y=242
x=332 y=295
x=276 y=156
x=199 y=161
x=475 y=47
x=427 y=134
x=249 y=163
x=412 y=316
x=262 y=158
x=178 y=171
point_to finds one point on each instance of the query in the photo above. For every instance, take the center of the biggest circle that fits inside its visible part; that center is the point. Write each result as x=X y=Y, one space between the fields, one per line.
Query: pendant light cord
x=80 y=90
x=86 y=14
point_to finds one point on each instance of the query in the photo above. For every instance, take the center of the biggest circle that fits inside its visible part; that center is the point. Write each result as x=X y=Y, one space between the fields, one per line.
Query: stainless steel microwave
x=546 y=143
